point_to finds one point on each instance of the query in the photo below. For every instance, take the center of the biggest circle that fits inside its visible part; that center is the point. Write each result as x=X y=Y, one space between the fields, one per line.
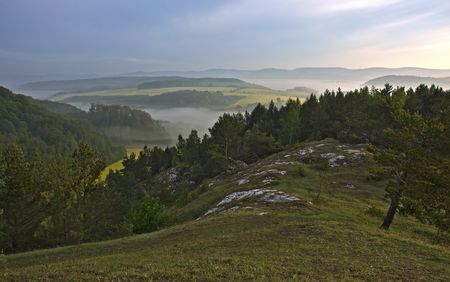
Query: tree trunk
x=226 y=150
x=390 y=213
x=14 y=244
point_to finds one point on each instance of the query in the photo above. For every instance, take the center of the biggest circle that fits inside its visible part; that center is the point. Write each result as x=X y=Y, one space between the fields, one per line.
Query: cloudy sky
x=115 y=36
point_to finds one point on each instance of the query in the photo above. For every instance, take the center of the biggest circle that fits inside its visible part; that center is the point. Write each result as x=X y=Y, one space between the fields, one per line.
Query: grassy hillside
x=330 y=233
x=247 y=96
x=181 y=98
x=121 y=82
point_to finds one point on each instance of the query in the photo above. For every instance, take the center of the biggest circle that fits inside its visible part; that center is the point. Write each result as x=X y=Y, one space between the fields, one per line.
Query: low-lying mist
x=183 y=120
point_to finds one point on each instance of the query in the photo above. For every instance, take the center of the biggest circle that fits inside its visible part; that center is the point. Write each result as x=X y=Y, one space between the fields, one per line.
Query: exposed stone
x=173 y=174
x=268 y=180
x=213 y=210
x=243 y=181
x=261 y=195
x=355 y=153
x=349 y=186
x=334 y=160
x=236 y=164
x=305 y=152
x=237 y=196
x=279 y=197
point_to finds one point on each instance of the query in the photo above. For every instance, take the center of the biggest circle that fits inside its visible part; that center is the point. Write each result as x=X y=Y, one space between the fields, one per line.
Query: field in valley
x=249 y=95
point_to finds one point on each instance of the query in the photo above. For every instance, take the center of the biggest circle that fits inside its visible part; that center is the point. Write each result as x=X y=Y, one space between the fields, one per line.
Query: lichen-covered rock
x=279 y=197
x=258 y=196
x=334 y=160
x=236 y=165
x=174 y=175
x=305 y=152
x=243 y=181
x=237 y=196
x=349 y=186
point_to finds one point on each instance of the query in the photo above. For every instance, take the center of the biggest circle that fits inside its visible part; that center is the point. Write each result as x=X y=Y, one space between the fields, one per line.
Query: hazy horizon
x=115 y=37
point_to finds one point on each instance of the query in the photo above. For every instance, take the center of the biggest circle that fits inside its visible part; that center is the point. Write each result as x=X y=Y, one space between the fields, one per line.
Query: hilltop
x=310 y=212
x=140 y=82
x=409 y=81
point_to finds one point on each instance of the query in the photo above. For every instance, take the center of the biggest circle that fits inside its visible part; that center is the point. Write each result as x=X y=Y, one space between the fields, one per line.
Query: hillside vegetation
x=350 y=187
x=122 y=82
x=127 y=126
x=331 y=232
x=25 y=121
x=182 y=98
x=193 y=82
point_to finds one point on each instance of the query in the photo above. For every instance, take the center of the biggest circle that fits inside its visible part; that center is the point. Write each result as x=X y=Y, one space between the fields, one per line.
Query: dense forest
x=126 y=126
x=25 y=122
x=407 y=131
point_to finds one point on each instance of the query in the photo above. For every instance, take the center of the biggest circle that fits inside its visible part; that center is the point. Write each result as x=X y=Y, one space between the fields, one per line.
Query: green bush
x=301 y=171
x=149 y=215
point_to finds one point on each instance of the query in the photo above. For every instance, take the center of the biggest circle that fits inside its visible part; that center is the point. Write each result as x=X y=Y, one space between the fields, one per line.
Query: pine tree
x=416 y=163
x=19 y=198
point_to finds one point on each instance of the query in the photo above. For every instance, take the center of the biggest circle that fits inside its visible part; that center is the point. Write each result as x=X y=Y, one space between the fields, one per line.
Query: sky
x=117 y=36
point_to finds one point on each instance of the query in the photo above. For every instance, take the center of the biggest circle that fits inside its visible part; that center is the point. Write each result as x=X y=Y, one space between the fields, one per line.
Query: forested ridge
x=124 y=125
x=181 y=98
x=407 y=131
x=26 y=122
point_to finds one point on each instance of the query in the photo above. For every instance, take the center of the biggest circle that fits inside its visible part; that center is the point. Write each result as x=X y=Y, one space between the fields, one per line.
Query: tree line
x=63 y=201
x=407 y=130
x=29 y=124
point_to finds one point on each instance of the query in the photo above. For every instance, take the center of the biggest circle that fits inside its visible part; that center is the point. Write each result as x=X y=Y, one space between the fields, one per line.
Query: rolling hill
x=48 y=127
x=281 y=218
x=140 y=82
x=409 y=81
x=182 y=98
x=305 y=72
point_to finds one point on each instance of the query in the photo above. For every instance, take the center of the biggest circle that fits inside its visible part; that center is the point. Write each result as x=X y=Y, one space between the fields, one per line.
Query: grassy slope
x=118 y=164
x=251 y=96
x=334 y=238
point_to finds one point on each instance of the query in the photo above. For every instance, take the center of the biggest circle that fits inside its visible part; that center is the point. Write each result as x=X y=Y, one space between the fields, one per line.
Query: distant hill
x=183 y=98
x=198 y=82
x=28 y=123
x=301 y=91
x=91 y=84
x=319 y=78
x=121 y=124
x=140 y=82
x=306 y=72
x=409 y=81
x=127 y=126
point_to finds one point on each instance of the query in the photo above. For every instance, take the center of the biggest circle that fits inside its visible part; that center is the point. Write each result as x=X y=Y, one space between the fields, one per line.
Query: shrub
x=149 y=215
x=301 y=171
